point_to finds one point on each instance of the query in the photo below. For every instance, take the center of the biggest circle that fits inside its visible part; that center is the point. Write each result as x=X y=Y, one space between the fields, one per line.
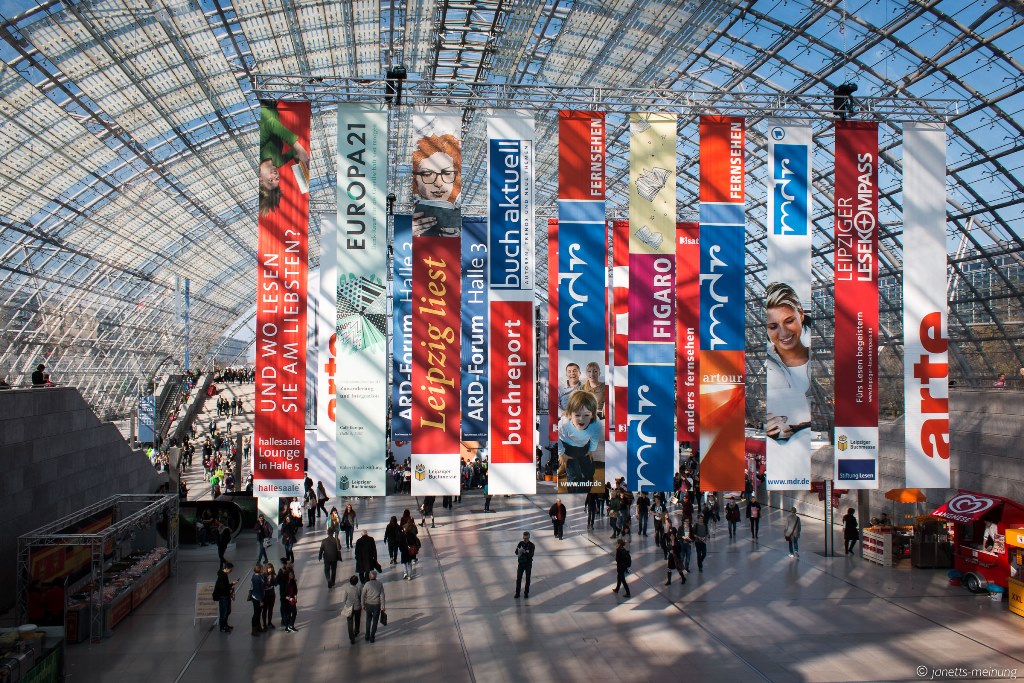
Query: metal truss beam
x=612 y=100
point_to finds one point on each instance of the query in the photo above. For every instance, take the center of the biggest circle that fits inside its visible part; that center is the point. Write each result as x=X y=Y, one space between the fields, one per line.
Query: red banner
x=856 y=304
x=436 y=345
x=281 y=280
x=512 y=373
x=688 y=332
x=553 y=412
x=620 y=326
x=581 y=155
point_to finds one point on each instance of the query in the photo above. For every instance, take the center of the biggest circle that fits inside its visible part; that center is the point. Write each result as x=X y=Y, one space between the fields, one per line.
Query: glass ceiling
x=128 y=131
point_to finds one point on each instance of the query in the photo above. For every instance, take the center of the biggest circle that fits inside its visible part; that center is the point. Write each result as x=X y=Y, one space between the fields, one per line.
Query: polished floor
x=753 y=614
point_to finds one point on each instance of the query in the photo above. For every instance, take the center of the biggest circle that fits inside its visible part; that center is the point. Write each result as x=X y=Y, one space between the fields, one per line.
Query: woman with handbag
x=351 y=607
x=409 y=545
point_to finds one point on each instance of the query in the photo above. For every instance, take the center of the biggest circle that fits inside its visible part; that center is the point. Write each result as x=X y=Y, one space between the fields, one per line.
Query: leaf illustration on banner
x=361 y=311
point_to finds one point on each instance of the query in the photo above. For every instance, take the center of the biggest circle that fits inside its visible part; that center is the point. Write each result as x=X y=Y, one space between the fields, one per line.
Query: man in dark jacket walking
x=524 y=551
x=330 y=553
x=366 y=555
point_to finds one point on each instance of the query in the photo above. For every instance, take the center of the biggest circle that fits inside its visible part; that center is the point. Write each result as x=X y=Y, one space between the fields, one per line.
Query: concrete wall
x=986 y=433
x=56 y=458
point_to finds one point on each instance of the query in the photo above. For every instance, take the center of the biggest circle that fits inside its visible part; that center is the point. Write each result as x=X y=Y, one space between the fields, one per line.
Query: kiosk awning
x=968 y=507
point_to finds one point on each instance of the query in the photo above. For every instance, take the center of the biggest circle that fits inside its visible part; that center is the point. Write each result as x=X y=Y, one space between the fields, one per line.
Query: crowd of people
x=363 y=595
x=240 y=375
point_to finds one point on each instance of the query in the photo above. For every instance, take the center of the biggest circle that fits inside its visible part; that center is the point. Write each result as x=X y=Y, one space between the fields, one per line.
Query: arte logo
x=343 y=484
x=721 y=300
x=934 y=436
x=789 y=190
x=843 y=443
x=967 y=504
x=420 y=473
x=578 y=300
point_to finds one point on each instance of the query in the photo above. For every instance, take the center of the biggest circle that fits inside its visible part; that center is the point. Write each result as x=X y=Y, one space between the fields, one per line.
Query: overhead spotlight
x=393 y=85
x=843 y=103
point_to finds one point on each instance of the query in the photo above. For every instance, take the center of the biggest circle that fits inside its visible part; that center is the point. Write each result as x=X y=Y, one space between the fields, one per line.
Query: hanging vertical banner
x=362 y=300
x=925 y=359
x=436 y=297
x=513 y=368
x=436 y=410
x=188 y=329
x=787 y=304
x=651 y=461
x=856 y=304
x=581 y=300
x=401 y=340
x=615 y=448
x=312 y=365
x=722 y=305
x=147 y=418
x=554 y=414
x=326 y=310
x=282 y=261
x=688 y=332
x=321 y=449
x=474 y=329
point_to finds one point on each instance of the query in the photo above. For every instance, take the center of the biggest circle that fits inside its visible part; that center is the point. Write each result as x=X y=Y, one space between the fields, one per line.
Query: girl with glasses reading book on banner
x=436 y=185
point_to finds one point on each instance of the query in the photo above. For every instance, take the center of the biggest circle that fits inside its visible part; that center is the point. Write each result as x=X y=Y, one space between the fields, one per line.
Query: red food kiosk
x=980 y=522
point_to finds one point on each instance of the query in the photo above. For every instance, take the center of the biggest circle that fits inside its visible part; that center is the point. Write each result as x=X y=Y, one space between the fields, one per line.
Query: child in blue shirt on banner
x=579 y=433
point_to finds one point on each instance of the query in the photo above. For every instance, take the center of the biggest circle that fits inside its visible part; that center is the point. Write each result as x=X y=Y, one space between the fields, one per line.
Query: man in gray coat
x=372 y=598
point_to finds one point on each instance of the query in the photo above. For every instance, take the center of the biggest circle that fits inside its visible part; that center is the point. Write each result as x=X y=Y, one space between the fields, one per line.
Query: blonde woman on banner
x=789 y=381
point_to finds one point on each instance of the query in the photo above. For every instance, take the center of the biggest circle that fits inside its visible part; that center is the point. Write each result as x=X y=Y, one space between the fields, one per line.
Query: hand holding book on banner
x=778 y=427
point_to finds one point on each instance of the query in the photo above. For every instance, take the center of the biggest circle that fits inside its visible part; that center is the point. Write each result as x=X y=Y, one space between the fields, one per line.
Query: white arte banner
x=787 y=304
x=361 y=300
x=326 y=308
x=925 y=360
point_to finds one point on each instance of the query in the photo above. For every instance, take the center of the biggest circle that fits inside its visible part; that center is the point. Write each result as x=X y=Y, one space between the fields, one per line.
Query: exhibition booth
x=979 y=526
x=84 y=573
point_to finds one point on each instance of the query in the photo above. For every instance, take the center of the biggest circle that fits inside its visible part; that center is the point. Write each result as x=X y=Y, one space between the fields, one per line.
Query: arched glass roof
x=129 y=138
